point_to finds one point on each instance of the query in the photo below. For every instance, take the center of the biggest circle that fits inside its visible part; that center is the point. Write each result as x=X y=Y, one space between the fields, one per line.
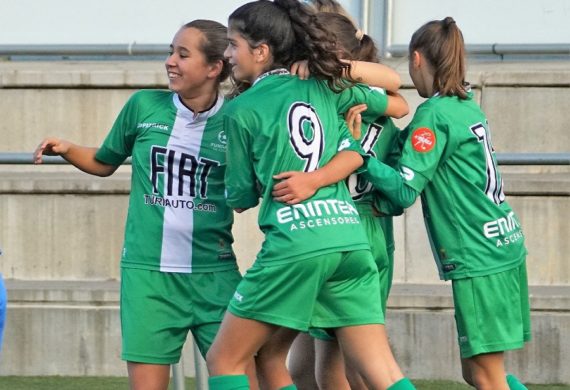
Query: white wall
x=103 y=21
x=487 y=21
x=154 y=21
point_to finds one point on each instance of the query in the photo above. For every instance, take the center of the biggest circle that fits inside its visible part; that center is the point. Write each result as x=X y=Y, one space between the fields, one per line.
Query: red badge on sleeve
x=423 y=139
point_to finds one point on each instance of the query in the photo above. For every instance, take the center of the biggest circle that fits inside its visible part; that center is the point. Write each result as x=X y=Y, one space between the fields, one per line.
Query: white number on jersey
x=306 y=134
x=494 y=186
x=356 y=183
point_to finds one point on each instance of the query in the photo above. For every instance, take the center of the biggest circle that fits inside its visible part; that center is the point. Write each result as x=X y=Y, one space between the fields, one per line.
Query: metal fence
x=502 y=158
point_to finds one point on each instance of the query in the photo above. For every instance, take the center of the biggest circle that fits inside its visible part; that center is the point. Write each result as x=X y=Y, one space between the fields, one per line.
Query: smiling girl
x=178 y=269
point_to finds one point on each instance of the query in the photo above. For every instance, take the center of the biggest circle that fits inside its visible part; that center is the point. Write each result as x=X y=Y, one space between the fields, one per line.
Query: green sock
x=514 y=383
x=290 y=387
x=402 y=384
x=228 y=382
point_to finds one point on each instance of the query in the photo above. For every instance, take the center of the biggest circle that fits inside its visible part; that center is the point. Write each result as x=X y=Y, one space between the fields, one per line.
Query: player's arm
x=397 y=106
x=383 y=205
x=294 y=186
x=375 y=75
x=391 y=184
x=82 y=157
x=377 y=102
x=242 y=191
x=371 y=73
x=422 y=153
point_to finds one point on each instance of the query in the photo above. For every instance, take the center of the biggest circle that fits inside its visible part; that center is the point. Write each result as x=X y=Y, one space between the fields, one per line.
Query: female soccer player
x=315 y=266
x=476 y=237
x=178 y=269
x=377 y=139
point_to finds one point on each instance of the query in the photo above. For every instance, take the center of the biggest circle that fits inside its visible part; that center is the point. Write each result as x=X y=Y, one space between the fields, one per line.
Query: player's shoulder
x=439 y=106
x=151 y=96
x=231 y=106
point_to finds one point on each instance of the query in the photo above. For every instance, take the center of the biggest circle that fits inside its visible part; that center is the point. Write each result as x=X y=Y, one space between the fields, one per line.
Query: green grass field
x=111 y=383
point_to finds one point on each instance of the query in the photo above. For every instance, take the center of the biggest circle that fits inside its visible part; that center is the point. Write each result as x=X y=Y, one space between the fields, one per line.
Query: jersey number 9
x=306 y=134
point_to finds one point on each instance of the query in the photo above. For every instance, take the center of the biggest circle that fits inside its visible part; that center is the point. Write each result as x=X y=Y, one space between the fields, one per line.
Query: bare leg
x=466 y=372
x=271 y=360
x=366 y=348
x=354 y=379
x=302 y=362
x=486 y=371
x=329 y=365
x=251 y=373
x=148 y=376
x=237 y=341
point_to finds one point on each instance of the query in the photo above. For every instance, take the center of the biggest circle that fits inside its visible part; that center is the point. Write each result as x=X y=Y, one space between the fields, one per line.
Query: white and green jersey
x=178 y=220
x=282 y=124
x=448 y=157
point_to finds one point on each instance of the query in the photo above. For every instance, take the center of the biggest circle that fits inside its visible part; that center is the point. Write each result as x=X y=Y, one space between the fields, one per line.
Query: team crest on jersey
x=222 y=142
x=222 y=137
x=423 y=140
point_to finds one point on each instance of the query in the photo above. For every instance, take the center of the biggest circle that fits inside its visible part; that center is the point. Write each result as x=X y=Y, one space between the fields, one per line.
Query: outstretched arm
x=296 y=187
x=82 y=157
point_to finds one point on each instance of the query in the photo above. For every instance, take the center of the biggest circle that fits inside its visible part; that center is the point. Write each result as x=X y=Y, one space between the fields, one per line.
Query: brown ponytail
x=441 y=43
x=351 y=43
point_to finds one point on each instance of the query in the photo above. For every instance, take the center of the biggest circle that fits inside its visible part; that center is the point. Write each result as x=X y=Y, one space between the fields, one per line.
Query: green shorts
x=375 y=233
x=326 y=291
x=387 y=275
x=492 y=312
x=159 y=308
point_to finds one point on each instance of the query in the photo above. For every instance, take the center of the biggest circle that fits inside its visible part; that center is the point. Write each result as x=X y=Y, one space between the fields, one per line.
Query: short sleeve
x=423 y=149
x=118 y=145
x=241 y=183
x=374 y=98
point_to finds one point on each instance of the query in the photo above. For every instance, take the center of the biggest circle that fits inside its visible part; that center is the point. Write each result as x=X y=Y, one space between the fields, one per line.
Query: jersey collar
x=277 y=71
x=202 y=115
x=467 y=90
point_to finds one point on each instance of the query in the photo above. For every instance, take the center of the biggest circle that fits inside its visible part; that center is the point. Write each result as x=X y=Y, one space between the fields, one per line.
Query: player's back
x=473 y=229
x=286 y=124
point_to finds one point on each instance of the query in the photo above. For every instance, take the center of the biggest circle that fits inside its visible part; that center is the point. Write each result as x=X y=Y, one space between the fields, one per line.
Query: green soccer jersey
x=448 y=157
x=178 y=220
x=282 y=124
x=377 y=139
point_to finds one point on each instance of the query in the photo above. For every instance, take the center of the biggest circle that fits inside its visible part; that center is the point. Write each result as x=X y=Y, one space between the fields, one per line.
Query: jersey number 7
x=494 y=186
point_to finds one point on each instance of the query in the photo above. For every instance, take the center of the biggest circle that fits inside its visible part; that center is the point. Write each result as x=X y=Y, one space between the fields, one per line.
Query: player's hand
x=294 y=187
x=301 y=69
x=50 y=147
x=354 y=119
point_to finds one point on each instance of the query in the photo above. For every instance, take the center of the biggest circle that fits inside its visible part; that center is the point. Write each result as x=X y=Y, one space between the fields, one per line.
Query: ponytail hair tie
x=448 y=21
x=359 y=34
